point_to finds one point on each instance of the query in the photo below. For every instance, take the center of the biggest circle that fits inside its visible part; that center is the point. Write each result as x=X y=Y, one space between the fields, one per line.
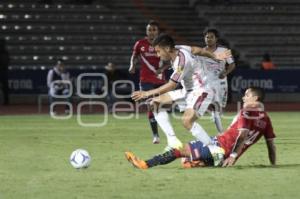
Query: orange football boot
x=135 y=161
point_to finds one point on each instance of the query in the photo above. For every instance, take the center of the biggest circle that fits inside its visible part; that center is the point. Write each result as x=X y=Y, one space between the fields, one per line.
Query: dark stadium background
x=89 y=34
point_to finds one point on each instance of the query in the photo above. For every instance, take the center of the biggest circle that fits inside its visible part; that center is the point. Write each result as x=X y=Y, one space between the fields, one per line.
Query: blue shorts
x=148 y=86
x=201 y=152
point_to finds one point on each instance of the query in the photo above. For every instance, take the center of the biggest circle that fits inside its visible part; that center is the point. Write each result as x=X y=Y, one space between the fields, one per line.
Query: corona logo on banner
x=238 y=83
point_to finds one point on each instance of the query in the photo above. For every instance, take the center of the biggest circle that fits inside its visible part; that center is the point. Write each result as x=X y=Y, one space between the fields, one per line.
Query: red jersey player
x=151 y=71
x=247 y=128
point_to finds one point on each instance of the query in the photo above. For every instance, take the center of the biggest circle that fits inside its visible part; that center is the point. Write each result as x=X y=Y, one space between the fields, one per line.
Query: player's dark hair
x=164 y=40
x=259 y=92
x=153 y=23
x=211 y=30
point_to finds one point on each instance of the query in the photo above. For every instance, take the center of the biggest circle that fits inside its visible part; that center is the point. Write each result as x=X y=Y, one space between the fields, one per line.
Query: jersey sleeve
x=136 y=49
x=179 y=68
x=269 y=133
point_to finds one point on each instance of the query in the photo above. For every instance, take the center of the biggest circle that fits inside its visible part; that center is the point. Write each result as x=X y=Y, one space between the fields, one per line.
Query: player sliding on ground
x=251 y=123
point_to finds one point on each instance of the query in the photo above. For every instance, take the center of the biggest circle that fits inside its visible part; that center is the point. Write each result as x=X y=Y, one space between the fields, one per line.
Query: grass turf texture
x=35 y=150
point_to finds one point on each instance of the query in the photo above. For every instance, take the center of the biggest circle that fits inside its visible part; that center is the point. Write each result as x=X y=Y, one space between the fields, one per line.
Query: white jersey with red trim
x=222 y=87
x=189 y=71
x=207 y=71
x=208 y=68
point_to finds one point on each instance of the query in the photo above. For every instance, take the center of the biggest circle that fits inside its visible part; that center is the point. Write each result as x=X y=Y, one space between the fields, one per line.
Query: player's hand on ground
x=223 y=55
x=228 y=162
x=139 y=95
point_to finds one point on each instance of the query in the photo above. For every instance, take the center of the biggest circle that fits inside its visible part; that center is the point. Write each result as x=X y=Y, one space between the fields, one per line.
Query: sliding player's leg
x=160 y=159
x=198 y=154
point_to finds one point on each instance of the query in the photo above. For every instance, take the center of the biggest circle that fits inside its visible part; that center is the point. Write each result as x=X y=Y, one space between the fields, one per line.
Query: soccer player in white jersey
x=211 y=37
x=211 y=71
x=193 y=98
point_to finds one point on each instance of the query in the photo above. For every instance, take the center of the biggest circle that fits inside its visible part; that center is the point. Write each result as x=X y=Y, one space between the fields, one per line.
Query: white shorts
x=199 y=100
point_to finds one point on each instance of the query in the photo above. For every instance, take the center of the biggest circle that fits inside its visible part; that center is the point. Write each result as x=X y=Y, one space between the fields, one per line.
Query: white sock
x=199 y=133
x=217 y=120
x=162 y=119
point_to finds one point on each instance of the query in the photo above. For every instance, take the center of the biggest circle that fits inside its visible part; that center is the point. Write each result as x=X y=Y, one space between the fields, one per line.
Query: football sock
x=153 y=124
x=162 y=119
x=200 y=134
x=164 y=158
x=217 y=120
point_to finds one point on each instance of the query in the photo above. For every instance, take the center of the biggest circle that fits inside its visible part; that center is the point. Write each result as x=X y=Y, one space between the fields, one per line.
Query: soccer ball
x=80 y=158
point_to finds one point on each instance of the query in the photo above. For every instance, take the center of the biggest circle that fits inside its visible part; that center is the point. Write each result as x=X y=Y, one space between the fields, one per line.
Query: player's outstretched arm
x=217 y=57
x=237 y=148
x=202 y=52
x=139 y=95
x=271 y=151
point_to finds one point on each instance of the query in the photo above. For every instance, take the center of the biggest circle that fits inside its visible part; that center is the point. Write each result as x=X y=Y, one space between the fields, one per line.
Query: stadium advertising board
x=35 y=81
x=275 y=81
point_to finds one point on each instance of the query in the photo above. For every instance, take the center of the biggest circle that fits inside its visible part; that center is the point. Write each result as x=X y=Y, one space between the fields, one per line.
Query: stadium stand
x=255 y=27
x=87 y=35
x=84 y=34
x=93 y=34
x=175 y=17
x=90 y=35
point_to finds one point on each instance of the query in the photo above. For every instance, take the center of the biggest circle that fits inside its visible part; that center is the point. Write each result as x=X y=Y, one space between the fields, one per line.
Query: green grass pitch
x=35 y=150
